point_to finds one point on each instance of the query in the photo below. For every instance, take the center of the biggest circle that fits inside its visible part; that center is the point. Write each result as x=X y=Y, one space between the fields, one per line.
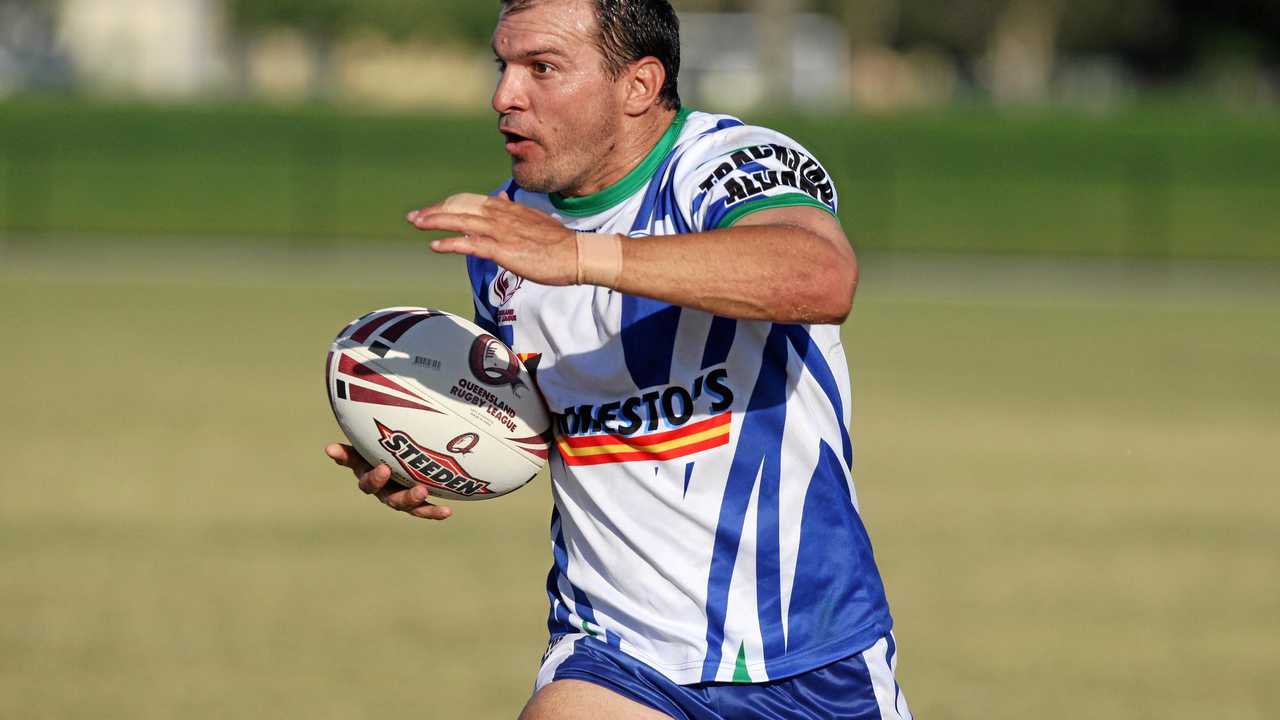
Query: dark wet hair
x=630 y=30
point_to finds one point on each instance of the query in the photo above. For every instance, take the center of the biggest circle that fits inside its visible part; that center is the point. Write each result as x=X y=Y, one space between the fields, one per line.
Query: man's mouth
x=516 y=143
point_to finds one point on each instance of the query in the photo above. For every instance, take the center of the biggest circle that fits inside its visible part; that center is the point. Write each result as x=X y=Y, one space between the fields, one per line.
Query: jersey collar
x=629 y=184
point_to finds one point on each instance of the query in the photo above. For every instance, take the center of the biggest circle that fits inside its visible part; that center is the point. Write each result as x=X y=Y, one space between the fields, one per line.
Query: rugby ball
x=438 y=400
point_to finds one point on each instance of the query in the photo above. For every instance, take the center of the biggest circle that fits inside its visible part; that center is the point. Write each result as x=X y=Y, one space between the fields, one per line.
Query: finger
x=402 y=498
x=449 y=205
x=431 y=512
x=461 y=204
x=346 y=456
x=469 y=224
x=479 y=247
x=374 y=480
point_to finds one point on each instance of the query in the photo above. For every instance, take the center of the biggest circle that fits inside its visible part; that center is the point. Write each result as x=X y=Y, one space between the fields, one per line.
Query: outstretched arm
x=788 y=264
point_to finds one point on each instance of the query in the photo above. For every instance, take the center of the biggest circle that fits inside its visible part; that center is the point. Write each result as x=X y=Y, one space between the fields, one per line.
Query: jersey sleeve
x=742 y=170
x=481 y=274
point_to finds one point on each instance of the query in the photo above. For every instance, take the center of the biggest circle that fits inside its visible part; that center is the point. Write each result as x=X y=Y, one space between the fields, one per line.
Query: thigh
x=581 y=700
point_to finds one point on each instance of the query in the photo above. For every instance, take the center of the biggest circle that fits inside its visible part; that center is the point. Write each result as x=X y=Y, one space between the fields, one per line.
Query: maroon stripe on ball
x=532 y=440
x=364 y=331
x=395 y=332
x=349 y=366
x=539 y=445
x=361 y=394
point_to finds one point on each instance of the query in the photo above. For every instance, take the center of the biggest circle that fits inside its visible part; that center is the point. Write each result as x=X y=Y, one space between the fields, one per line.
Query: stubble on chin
x=532 y=181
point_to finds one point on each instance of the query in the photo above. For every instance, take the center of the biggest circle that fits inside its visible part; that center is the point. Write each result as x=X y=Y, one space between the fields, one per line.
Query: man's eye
x=541 y=68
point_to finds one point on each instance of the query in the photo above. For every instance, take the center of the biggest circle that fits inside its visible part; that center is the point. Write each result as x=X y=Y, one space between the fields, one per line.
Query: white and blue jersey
x=705 y=519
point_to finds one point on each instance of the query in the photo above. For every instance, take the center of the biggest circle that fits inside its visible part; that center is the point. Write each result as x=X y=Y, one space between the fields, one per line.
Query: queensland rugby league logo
x=504 y=287
x=493 y=364
x=432 y=468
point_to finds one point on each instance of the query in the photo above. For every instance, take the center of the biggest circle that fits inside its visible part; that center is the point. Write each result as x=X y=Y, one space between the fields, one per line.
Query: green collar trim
x=628 y=185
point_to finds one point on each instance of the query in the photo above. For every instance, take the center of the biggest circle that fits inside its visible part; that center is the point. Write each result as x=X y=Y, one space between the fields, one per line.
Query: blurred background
x=1064 y=350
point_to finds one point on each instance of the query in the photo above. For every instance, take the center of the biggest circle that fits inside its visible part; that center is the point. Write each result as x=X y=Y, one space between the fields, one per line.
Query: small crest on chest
x=501 y=291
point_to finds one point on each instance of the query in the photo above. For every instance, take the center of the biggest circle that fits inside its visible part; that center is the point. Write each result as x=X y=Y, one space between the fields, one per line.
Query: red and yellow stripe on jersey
x=667 y=445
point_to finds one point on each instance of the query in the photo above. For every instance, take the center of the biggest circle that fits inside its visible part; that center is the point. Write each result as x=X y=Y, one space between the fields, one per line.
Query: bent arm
x=785 y=264
x=790 y=264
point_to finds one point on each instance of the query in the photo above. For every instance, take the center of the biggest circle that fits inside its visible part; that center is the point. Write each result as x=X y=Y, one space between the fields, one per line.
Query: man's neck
x=637 y=138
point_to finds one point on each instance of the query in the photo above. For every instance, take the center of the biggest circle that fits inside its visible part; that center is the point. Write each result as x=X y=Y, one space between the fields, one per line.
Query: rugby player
x=676 y=279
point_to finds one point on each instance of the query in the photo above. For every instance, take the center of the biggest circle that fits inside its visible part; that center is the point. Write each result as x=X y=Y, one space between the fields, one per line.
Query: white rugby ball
x=440 y=401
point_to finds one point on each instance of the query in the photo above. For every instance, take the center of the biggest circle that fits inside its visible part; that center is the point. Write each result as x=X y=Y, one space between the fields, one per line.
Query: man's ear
x=642 y=83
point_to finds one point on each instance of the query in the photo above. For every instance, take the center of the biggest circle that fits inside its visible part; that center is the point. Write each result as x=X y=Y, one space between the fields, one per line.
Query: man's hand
x=377 y=481
x=527 y=242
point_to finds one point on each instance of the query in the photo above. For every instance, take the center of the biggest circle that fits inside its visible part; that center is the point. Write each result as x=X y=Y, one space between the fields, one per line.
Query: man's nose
x=508 y=95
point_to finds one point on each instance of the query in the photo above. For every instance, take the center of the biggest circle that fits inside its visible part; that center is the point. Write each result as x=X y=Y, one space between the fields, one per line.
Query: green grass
x=1156 y=182
x=1068 y=470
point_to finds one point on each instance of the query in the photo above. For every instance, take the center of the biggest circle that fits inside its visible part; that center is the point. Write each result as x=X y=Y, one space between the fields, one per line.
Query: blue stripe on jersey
x=833 y=588
x=482 y=272
x=688 y=475
x=558 y=621
x=581 y=603
x=719 y=341
x=724 y=124
x=768 y=565
x=660 y=202
x=697 y=203
x=648 y=339
x=670 y=208
x=716 y=213
x=669 y=204
x=659 y=187
x=759 y=443
x=817 y=366
x=485 y=322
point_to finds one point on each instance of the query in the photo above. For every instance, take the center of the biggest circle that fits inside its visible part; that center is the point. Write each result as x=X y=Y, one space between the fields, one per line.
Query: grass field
x=1188 y=182
x=1068 y=468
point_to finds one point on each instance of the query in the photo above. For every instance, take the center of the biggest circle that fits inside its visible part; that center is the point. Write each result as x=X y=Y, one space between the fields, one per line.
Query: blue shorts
x=859 y=687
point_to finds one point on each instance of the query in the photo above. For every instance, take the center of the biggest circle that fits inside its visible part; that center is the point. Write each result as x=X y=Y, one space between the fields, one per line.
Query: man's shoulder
x=708 y=136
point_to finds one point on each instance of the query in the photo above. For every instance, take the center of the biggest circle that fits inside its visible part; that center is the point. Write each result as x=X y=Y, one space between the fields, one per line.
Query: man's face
x=557 y=108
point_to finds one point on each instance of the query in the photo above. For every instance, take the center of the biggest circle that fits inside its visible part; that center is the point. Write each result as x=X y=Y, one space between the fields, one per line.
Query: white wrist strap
x=599 y=259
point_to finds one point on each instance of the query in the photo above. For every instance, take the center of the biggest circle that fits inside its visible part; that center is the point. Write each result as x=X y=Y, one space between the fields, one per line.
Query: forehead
x=564 y=25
